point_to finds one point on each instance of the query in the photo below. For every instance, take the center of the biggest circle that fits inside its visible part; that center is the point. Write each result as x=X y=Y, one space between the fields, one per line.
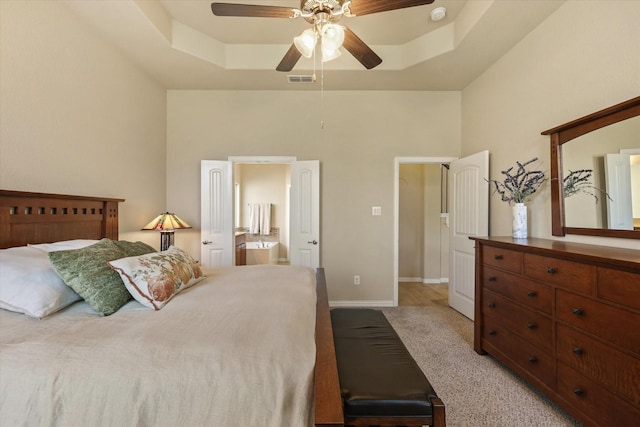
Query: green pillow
x=134 y=248
x=86 y=271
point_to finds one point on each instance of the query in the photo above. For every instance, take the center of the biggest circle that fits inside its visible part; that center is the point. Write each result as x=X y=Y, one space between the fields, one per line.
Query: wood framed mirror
x=605 y=206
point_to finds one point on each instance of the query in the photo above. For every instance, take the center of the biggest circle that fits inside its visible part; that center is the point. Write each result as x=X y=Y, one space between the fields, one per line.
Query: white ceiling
x=184 y=46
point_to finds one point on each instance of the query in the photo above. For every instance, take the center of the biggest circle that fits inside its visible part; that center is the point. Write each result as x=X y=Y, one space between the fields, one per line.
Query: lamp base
x=166 y=240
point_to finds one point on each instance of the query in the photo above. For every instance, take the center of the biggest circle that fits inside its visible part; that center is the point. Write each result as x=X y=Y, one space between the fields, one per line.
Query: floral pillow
x=153 y=279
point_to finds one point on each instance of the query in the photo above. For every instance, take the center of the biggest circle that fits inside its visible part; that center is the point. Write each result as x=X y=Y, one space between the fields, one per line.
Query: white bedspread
x=235 y=350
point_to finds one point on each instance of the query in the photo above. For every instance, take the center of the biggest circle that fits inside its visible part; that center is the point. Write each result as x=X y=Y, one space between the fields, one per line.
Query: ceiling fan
x=324 y=15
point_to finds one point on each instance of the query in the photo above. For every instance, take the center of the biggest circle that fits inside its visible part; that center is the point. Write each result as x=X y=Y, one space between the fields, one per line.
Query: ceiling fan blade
x=360 y=50
x=289 y=60
x=366 y=7
x=233 y=9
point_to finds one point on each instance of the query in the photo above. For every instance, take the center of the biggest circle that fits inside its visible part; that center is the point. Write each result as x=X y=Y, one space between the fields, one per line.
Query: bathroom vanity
x=566 y=318
x=241 y=249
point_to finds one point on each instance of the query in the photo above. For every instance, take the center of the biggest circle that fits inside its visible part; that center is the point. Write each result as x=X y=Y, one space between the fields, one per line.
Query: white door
x=305 y=213
x=617 y=169
x=468 y=216
x=217 y=248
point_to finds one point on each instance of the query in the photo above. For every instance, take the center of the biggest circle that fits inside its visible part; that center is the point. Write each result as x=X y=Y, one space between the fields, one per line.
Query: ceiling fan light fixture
x=306 y=42
x=332 y=36
x=329 y=54
x=324 y=15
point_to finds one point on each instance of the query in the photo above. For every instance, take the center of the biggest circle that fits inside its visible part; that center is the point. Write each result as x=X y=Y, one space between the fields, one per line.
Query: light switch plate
x=376 y=210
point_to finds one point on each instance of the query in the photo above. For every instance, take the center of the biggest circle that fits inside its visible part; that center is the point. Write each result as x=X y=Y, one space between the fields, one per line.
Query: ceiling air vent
x=300 y=79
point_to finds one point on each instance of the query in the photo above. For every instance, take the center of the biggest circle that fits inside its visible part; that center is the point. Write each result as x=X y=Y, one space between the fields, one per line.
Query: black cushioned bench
x=381 y=384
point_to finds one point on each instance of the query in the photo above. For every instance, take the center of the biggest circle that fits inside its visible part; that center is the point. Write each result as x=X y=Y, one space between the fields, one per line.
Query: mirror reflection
x=601 y=176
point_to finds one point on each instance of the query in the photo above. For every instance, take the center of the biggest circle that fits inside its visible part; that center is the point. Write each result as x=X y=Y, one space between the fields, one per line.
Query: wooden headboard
x=43 y=218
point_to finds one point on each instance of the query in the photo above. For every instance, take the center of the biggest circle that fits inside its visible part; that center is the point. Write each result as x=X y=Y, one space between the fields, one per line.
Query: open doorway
x=263 y=185
x=221 y=245
x=421 y=231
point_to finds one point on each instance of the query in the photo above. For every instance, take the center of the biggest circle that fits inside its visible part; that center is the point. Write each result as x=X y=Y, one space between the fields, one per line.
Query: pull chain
x=315 y=62
x=321 y=92
x=322 y=96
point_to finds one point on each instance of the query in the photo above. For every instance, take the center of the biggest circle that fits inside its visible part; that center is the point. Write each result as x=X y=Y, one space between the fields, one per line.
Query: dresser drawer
x=619 y=286
x=610 y=323
x=530 y=325
x=594 y=401
x=527 y=292
x=566 y=317
x=532 y=359
x=617 y=371
x=502 y=258
x=567 y=274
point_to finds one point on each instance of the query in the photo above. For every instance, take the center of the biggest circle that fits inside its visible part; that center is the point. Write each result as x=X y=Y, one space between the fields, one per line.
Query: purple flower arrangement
x=518 y=184
x=579 y=181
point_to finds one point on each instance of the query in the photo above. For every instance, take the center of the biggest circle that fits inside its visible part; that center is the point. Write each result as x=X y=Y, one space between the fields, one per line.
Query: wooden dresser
x=566 y=318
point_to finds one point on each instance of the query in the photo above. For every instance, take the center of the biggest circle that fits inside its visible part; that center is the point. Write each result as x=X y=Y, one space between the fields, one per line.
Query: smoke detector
x=438 y=13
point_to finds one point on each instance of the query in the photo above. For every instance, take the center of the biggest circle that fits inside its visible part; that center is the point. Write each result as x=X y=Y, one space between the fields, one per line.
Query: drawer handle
x=531 y=325
x=492 y=332
x=578 y=351
x=577 y=311
x=532 y=294
x=533 y=359
x=497 y=257
x=551 y=270
x=491 y=305
x=578 y=392
x=492 y=278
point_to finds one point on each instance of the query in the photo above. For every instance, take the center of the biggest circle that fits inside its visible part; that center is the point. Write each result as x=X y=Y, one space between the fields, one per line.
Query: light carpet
x=477 y=390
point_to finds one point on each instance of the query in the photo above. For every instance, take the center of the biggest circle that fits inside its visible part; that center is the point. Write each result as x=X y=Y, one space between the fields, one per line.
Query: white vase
x=519 y=212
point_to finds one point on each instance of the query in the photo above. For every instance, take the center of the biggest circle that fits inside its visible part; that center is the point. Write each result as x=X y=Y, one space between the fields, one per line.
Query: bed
x=224 y=351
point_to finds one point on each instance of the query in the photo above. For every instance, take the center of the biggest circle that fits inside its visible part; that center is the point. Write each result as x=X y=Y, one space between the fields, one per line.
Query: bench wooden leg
x=439 y=416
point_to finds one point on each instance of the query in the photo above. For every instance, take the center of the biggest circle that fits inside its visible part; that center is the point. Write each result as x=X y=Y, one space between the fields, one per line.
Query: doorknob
x=206 y=242
x=313 y=242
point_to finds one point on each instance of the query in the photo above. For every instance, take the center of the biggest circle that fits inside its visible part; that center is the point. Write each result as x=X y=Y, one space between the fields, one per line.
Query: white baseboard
x=423 y=281
x=382 y=303
x=410 y=279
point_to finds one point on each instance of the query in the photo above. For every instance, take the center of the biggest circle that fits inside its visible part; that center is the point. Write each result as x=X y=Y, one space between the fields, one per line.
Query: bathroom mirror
x=600 y=155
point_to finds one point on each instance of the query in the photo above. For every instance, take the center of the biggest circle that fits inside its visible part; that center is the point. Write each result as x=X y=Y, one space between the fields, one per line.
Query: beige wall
x=411 y=223
x=420 y=251
x=433 y=250
x=77 y=117
x=363 y=133
x=583 y=58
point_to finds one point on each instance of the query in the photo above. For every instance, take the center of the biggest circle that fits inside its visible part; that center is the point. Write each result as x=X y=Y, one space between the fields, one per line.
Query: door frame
x=396 y=208
x=292 y=161
x=263 y=160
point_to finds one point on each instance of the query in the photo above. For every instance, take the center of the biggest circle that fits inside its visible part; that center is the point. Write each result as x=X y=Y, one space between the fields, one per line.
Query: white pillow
x=64 y=245
x=153 y=279
x=29 y=285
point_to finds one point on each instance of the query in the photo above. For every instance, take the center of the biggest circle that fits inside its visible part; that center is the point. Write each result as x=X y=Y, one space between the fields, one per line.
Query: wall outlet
x=356 y=280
